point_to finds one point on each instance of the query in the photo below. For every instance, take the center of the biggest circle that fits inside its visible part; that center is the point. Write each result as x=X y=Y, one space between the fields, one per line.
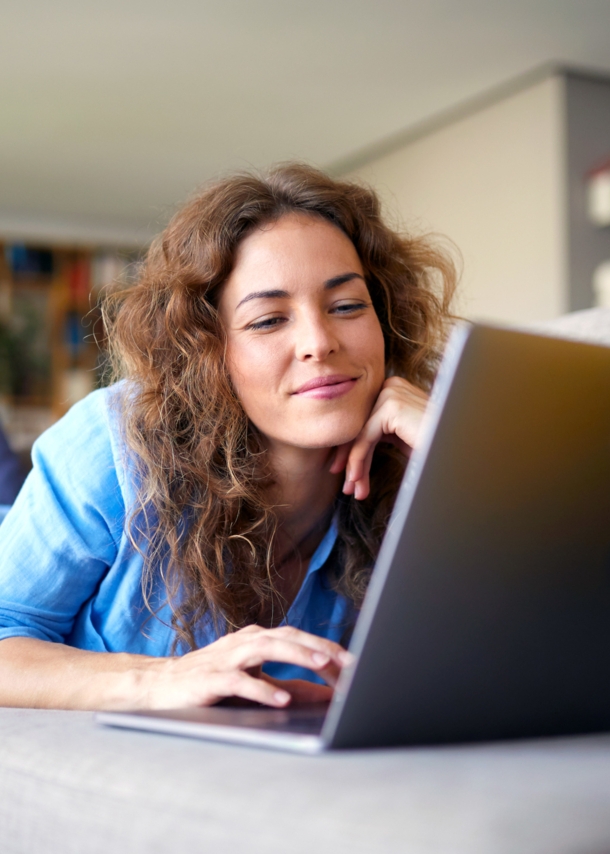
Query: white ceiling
x=111 y=111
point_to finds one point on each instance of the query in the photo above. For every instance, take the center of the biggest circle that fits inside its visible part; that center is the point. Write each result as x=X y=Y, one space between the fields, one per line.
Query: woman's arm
x=44 y=675
x=40 y=674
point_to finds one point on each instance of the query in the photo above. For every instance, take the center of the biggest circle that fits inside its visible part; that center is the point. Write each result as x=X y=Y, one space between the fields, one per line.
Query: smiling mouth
x=326 y=387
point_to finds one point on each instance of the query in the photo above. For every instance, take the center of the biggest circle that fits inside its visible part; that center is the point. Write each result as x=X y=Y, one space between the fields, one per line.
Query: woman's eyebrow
x=262 y=295
x=329 y=284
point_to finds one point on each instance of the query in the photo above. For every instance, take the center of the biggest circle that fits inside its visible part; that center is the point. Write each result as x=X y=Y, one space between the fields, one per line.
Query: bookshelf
x=51 y=333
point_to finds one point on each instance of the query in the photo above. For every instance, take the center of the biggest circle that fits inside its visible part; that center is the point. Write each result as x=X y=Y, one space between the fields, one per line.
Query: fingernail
x=320 y=658
x=345 y=658
x=281 y=697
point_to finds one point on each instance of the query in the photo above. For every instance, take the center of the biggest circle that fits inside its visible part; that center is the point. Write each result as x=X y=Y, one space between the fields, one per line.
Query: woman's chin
x=314 y=433
x=320 y=439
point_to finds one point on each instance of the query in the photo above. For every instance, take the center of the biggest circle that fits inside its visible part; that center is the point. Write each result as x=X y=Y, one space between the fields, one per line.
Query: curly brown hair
x=202 y=517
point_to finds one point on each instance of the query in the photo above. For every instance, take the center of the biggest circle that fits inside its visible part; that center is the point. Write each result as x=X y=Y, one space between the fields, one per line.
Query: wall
x=492 y=181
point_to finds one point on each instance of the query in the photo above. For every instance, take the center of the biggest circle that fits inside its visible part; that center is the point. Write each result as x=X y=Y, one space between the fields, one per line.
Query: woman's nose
x=315 y=339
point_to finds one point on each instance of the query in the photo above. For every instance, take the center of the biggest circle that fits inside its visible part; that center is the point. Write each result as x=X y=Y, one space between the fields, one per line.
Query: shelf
x=50 y=330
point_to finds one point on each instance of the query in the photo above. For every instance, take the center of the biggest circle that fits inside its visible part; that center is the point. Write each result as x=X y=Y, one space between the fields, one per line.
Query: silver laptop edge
x=247 y=736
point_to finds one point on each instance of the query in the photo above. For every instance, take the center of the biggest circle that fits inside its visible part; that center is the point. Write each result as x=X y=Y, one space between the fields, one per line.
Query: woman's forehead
x=297 y=250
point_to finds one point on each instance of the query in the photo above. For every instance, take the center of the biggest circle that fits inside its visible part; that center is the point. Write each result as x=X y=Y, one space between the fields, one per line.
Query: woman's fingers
x=250 y=643
x=268 y=648
x=302 y=691
x=358 y=468
x=313 y=642
x=231 y=667
x=332 y=649
x=271 y=692
x=240 y=684
x=361 y=455
x=289 y=646
x=340 y=458
x=338 y=657
x=330 y=674
x=203 y=686
x=396 y=418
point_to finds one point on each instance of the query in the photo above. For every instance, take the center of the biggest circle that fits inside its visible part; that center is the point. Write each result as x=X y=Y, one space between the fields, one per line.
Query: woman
x=206 y=528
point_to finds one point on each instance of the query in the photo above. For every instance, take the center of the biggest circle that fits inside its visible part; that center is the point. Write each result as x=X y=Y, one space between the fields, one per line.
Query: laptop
x=488 y=611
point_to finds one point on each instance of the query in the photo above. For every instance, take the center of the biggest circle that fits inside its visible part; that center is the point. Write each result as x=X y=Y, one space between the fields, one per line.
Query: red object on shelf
x=602 y=166
x=598 y=194
x=79 y=280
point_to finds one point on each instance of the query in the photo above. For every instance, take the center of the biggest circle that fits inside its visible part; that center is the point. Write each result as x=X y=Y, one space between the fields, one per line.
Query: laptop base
x=296 y=729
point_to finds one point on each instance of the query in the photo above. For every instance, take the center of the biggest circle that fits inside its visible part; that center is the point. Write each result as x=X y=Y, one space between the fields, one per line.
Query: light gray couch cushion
x=69 y=786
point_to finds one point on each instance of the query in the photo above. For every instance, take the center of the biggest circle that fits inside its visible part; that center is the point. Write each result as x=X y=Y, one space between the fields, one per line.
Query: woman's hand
x=396 y=418
x=231 y=667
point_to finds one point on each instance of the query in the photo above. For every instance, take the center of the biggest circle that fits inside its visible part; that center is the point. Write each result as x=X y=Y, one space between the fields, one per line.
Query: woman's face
x=305 y=349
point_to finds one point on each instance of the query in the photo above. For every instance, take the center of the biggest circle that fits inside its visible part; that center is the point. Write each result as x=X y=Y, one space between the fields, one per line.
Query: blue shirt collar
x=321 y=554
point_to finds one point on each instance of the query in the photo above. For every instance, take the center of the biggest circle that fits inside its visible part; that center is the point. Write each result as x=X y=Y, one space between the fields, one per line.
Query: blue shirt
x=68 y=572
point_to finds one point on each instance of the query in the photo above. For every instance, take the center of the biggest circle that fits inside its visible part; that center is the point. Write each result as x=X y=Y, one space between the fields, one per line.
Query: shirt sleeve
x=62 y=534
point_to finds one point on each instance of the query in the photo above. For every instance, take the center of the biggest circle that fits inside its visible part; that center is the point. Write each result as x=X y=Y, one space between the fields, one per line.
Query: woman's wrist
x=134 y=684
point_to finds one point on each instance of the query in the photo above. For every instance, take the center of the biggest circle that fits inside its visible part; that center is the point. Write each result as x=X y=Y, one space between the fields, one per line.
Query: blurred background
x=486 y=121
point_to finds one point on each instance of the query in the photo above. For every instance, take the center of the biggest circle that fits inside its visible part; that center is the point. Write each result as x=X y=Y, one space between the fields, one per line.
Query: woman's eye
x=349 y=307
x=266 y=323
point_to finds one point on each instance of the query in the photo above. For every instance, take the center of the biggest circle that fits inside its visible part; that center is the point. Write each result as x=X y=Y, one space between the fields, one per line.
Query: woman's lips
x=325 y=388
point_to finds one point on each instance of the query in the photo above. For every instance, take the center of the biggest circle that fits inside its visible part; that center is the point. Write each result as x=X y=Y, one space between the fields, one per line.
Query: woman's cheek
x=254 y=374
